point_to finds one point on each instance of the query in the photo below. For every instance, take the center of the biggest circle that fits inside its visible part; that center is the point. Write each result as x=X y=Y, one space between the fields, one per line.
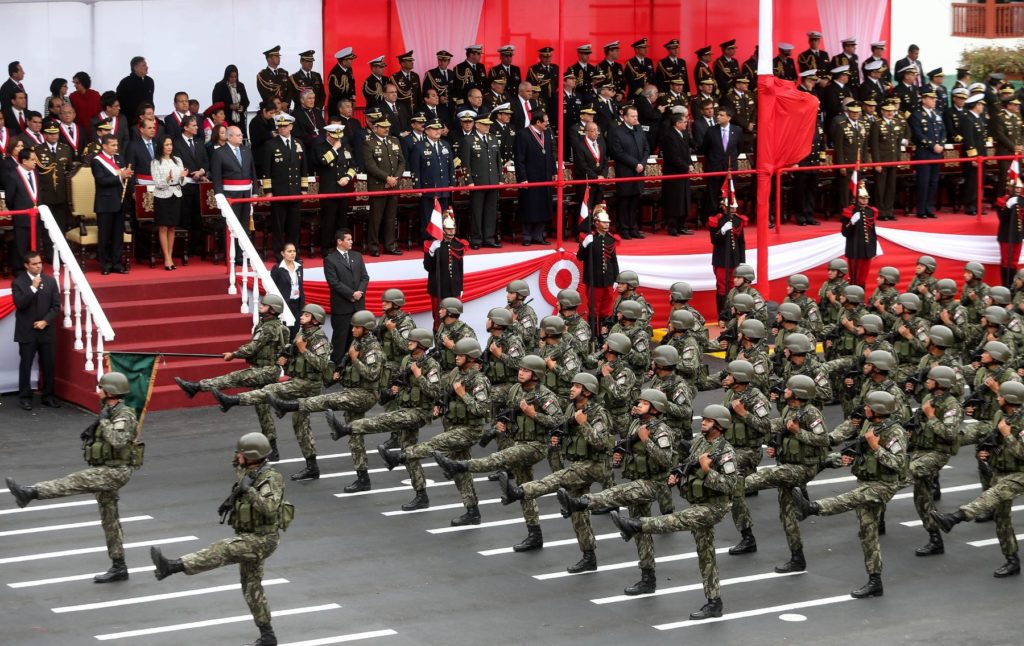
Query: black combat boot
x=266 y=638
x=190 y=387
x=510 y=491
x=873 y=588
x=796 y=563
x=534 y=540
x=282 y=406
x=227 y=402
x=570 y=503
x=586 y=564
x=22 y=495
x=747 y=544
x=165 y=567
x=934 y=545
x=361 y=483
x=118 y=572
x=946 y=521
x=448 y=466
x=339 y=429
x=627 y=526
x=392 y=442
x=493 y=477
x=936 y=491
x=804 y=507
x=391 y=460
x=420 y=501
x=1010 y=568
x=275 y=455
x=647 y=584
x=471 y=517
x=713 y=608
x=311 y=472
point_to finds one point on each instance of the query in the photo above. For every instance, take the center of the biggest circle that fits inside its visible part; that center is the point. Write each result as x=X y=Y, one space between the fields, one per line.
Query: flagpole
x=560 y=144
x=764 y=126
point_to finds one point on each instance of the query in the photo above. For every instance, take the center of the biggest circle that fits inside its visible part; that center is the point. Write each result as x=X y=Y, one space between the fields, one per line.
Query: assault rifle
x=684 y=470
x=238 y=490
x=993 y=443
x=506 y=417
x=88 y=436
x=486 y=357
x=399 y=379
x=855 y=448
x=916 y=380
x=974 y=402
x=776 y=439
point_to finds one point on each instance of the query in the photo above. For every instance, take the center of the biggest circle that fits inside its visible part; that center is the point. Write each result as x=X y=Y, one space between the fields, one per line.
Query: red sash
x=33 y=188
x=109 y=163
x=67 y=135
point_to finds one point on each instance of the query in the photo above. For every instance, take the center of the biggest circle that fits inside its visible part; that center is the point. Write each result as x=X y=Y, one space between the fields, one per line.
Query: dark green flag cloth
x=141 y=372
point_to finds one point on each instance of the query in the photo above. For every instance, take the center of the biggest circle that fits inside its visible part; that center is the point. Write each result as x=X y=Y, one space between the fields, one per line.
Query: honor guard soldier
x=444 y=267
x=861 y=238
x=408 y=82
x=729 y=249
x=726 y=67
x=440 y=77
x=814 y=58
x=638 y=71
x=612 y=69
x=1011 y=231
x=702 y=68
x=783 y=66
x=341 y=82
x=307 y=77
x=929 y=136
x=672 y=67
x=469 y=74
x=113 y=453
x=974 y=130
x=257 y=511
x=849 y=58
x=877 y=55
x=285 y=173
x=272 y=81
x=543 y=74
x=373 y=86
x=600 y=267
x=505 y=69
x=582 y=69
x=935 y=84
x=887 y=136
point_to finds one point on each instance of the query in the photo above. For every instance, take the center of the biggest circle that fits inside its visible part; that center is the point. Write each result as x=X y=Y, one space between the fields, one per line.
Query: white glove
x=1012 y=202
x=434 y=246
x=855 y=219
x=727 y=227
x=588 y=240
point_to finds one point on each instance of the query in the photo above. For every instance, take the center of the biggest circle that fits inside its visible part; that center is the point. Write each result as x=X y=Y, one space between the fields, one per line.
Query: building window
x=988 y=19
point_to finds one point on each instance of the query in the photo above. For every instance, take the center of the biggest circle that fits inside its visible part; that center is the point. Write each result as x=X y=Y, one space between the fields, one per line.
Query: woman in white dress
x=168 y=172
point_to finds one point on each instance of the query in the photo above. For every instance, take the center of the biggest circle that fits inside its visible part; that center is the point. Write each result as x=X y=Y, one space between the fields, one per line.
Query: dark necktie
x=149 y=148
x=192 y=146
x=31 y=182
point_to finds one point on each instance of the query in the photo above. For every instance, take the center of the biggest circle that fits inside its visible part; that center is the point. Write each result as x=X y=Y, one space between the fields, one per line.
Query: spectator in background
x=37 y=303
x=58 y=90
x=136 y=88
x=535 y=162
x=86 y=102
x=218 y=138
x=287 y=276
x=111 y=109
x=231 y=93
x=168 y=174
x=53 y=106
x=346 y=276
x=215 y=116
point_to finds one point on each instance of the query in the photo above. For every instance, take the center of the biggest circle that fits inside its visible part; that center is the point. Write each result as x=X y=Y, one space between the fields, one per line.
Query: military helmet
x=944 y=376
x=316 y=312
x=680 y=291
x=1019 y=275
x=421 y=336
x=753 y=329
x=500 y=316
x=890 y=275
x=882 y=360
x=630 y=310
x=928 y=263
x=998 y=350
x=619 y=343
x=364 y=319
x=274 y=302
x=452 y=305
x=743 y=303
x=799 y=344
x=996 y=315
x=588 y=381
x=519 y=287
x=745 y=272
x=1012 y=392
x=976 y=269
x=742 y=371
x=253 y=446
x=114 y=383
x=941 y=336
x=534 y=364
x=802 y=387
x=395 y=296
x=720 y=414
x=872 y=324
x=665 y=356
x=569 y=298
x=658 y=400
x=1000 y=295
x=881 y=402
x=628 y=277
x=946 y=287
x=681 y=320
x=854 y=294
x=839 y=265
x=799 y=282
x=910 y=302
x=469 y=347
x=552 y=325
x=790 y=312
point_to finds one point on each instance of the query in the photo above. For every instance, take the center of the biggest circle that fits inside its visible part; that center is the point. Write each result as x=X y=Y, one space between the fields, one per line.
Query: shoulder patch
x=894 y=446
x=760 y=409
x=759 y=368
x=514 y=351
x=949 y=414
x=688 y=354
x=434 y=376
x=570 y=361
x=621 y=379
x=664 y=442
x=480 y=392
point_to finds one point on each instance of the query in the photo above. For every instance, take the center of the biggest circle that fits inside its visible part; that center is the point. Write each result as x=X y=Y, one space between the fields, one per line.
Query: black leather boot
x=534 y=540
x=311 y=472
x=747 y=544
x=1010 y=568
x=448 y=466
x=266 y=638
x=936 y=491
x=361 y=483
x=804 y=507
x=165 y=567
x=339 y=429
x=22 y=495
x=603 y=510
x=586 y=564
x=390 y=458
x=570 y=503
x=493 y=477
x=274 y=454
x=946 y=521
x=796 y=563
x=713 y=608
x=392 y=441
x=118 y=572
x=419 y=501
x=647 y=584
x=471 y=517
x=510 y=491
x=873 y=588
x=227 y=402
x=282 y=406
x=934 y=545
x=190 y=387
x=627 y=526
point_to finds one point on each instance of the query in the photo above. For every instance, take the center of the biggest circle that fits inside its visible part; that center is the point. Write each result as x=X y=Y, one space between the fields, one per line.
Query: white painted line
x=57 y=528
x=457 y=505
x=917 y=523
x=213 y=622
x=493 y=523
x=342 y=474
x=318 y=458
x=549 y=544
x=945 y=490
x=991 y=541
x=814 y=483
x=625 y=564
x=755 y=613
x=92 y=550
x=159 y=597
x=344 y=638
x=695 y=586
x=73 y=577
x=59 y=505
x=447 y=483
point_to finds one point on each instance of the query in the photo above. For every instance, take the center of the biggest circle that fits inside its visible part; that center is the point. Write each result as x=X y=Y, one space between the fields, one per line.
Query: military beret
x=273 y=51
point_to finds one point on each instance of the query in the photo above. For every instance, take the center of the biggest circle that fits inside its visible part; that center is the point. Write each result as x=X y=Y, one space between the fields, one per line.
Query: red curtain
x=786 y=123
x=6 y=305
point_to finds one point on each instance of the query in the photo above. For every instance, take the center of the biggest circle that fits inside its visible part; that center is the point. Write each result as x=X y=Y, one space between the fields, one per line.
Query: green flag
x=140 y=369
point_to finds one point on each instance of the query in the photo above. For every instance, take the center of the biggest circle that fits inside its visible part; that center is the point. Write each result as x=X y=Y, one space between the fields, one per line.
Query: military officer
x=672 y=67
x=440 y=77
x=929 y=136
x=783 y=66
x=726 y=67
x=285 y=172
x=744 y=107
x=806 y=184
x=336 y=166
x=544 y=74
x=612 y=69
x=341 y=82
x=848 y=57
x=307 y=77
x=1007 y=131
x=273 y=81
x=850 y=141
x=638 y=71
x=813 y=58
x=974 y=130
x=480 y=155
x=53 y=168
x=408 y=82
x=432 y=163
x=877 y=56
x=385 y=164
x=469 y=74
x=887 y=137
x=583 y=69
x=702 y=69
x=373 y=86
x=907 y=91
x=935 y=84
x=873 y=87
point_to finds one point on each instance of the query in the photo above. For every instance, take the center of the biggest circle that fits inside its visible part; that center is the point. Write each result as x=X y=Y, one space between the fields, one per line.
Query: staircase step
x=214 y=304
x=161 y=330
x=204 y=344
x=173 y=287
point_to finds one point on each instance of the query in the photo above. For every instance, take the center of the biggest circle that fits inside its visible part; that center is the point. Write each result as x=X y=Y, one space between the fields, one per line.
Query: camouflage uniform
x=745 y=436
x=646 y=311
x=700 y=329
x=455 y=331
x=888 y=296
x=830 y=311
x=559 y=380
x=525 y=324
x=679 y=392
x=852 y=397
x=927 y=281
x=618 y=392
x=809 y=310
x=689 y=367
x=760 y=309
x=394 y=343
x=934 y=443
x=987 y=410
x=502 y=372
x=639 y=357
x=1005 y=337
x=844 y=344
x=757 y=355
x=578 y=331
x=972 y=299
x=817 y=371
x=857 y=405
x=928 y=362
x=909 y=351
x=958 y=322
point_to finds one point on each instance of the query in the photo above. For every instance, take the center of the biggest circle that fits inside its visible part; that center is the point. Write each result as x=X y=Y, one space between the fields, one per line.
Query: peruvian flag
x=853 y=181
x=434 y=229
x=1013 y=174
x=728 y=190
x=584 y=208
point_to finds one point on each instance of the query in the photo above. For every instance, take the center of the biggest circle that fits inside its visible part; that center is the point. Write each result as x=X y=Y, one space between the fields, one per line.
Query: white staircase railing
x=252 y=267
x=87 y=315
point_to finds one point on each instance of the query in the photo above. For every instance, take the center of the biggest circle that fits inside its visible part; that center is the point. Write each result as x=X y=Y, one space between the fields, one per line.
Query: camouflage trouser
x=249 y=551
x=291 y=389
x=555 y=459
x=104 y=482
x=923 y=468
x=353 y=401
x=869 y=499
x=454 y=442
x=784 y=477
x=637 y=496
x=620 y=425
x=408 y=422
x=700 y=520
x=519 y=459
x=970 y=434
x=746 y=464
x=997 y=499
x=250 y=378
x=576 y=478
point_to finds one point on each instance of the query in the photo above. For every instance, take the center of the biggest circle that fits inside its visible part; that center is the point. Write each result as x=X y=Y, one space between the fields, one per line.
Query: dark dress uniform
x=545 y=77
x=954 y=120
x=744 y=109
x=373 y=90
x=974 y=132
x=832 y=100
x=849 y=140
x=813 y=60
x=467 y=77
x=928 y=131
x=1007 y=132
x=886 y=136
x=341 y=84
x=614 y=72
x=600 y=269
x=332 y=165
x=1011 y=235
x=439 y=79
x=669 y=68
x=637 y=73
x=271 y=83
x=506 y=136
x=284 y=173
x=511 y=73
x=871 y=90
x=910 y=99
x=433 y=166
x=726 y=71
x=784 y=68
x=409 y=92
x=805 y=184
x=383 y=159
x=842 y=58
x=702 y=71
x=861 y=242
x=54 y=172
x=728 y=250
x=886 y=72
x=482 y=157
x=584 y=73
x=571 y=106
x=302 y=79
x=448 y=257
x=942 y=94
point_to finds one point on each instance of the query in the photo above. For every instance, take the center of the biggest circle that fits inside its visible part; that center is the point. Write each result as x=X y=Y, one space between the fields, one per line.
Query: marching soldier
x=883 y=299
x=797 y=287
x=949 y=310
x=940 y=338
x=638 y=71
x=307 y=77
x=258 y=512
x=923 y=284
x=831 y=290
x=631 y=324
x=113 y=452
x=887 y=137
x=743 y=283
x=469 y=74
x=813 y=58
x=783 y=66
x=681 y=336
x=578 y=330
x=408 y=82
x=974 y=291
x=563 y=361
x=272 y=81
x=702 y=68
x=503 y=352
x=909 y=335
x=627 y=282
x=544 y=74
x=341 y=82
x=679 y=394
x=450 y=330
x=803 y=360
x=373 y=86
x=285 y=173
x=672 y=67
x=726 y=67
x=848 y=57
x=680 y=295
x=440 y=78
x=516 y=293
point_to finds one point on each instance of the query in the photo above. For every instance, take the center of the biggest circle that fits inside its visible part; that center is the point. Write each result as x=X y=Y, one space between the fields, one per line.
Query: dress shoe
x=544 y=242
x=625 y=236
x=673 y=232
x=51 y=402
x=922 y=217
x=801 y=224
x=474 y=246
x=493 y=245
x=375 y=253
x=122 y=270
x=639 y=234
x=26 y=404
x=686 y=232
x=105 y=272
x=526 y=243
x=393 y=252
x=933 y=216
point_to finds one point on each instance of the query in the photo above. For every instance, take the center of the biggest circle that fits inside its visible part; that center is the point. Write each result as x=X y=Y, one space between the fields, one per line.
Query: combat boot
x=266 y=638
x=448 y=466
x=1010 y=568
x=934 y=545
x=118 y=572
x=420 y=501
x=282 y=406
x=534 y=540
x=747 y=544
x=275 y=455
x=339 y=429
x=392 y=442
x=227 y=402
x=510 y=491
x=165 y=567
x=22 y=495
x=873 y=588
x=361 y=483
x=586 y=564
x=647 y=584
x=604 y=510
x=627 y=526
x=804 y=507
x=570 y=503
x=190 y=387
x=713 y=608
x=796 y=563
x=391 y=460
x=471 y=517
x=311 y=472
x=946 y=521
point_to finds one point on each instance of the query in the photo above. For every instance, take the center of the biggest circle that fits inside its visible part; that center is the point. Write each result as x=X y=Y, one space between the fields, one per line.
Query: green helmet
x=890 y=275
x=941 y=336
x=998 y=350
x=469 y=347
x=534 y=364
x=882 y=360
x=839 y=265
x=799 y=344
x=253 y=446
x=665 y=356
x=799 y=282
x=744 y=271
x=946 y=287
x=928 y=263
x=1012 y=392
x=658 y=400
x=881 y=402
x=421 y=336
x=743 y=303
x=452 y=305
x=1000 y=295
x=552 y=325
x=790 y=312
x=316 y=312
x=500 y=316
x=569 y=299
x=519 y=287
x=996 y=315
x=944 y=376
x=628 y=277
x=753 y=329
x=394 y=296
x=588 y=381
x=680 y=292
x=802 y=387
x=364 y=319
x=630 y=310
x=1019 y=276
x=720 y=414
x=976 y=269
x=910 y=302
x=114 y=383
x=854 y=294
x=274 y=302
x=742 y=371
x=619 y=343
x=872 y=324
x=681 y=320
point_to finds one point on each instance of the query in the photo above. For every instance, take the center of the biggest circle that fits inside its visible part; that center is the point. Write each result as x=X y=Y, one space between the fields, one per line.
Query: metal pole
x=560 y=144
x=764 y=180
x=981 y=184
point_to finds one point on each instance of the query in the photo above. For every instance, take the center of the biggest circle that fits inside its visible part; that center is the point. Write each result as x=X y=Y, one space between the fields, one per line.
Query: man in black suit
x=911 y=60
x=396 y=113
x=110 y=176
x=22 y=185
x=535 y=162
x=721 y=148
x=630 y=151
x=136 y=88
x=703 y=120
x=173 y=121
x=347 y=279
x=675 y=194
x=233 y=173
x=590 y=153
x=37 y=301
x=10 y=87
x=523 y=107
x=118 y=122
x=189 y=148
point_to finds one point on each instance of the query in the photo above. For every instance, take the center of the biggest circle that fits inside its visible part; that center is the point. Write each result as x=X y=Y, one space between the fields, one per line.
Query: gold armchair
x=86 y=234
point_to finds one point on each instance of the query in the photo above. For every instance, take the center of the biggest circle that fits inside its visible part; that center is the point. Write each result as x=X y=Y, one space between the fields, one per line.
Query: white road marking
x=318 y=458
x=59 y=505
x=945 y=490
x=159 y=597
x=694 y=586
x=625 y=564
x=93 y=550
x=344 y=638
x=917 y=523
x=991 y=541
x=73 y=577
x=548 y=544
x=755 y=613
x=447 y=483
x=213 y=622
x=342 y=474
x=457 y=505
x=493 y=523
x=57 y=528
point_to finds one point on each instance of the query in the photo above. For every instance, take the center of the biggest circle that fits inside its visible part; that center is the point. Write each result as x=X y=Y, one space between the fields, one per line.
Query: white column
x=88 y=340
x=245 y=284
x=67 y=295
x=78 y=318
x=231 y=262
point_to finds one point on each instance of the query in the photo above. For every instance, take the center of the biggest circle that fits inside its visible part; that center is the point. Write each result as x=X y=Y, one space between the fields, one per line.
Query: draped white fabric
x=862 y=19
x=983 y=249
x=432 y=25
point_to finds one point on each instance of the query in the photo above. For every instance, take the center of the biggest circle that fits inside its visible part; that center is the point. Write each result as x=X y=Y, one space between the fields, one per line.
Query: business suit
x=237 y=177
x=520 y=118
x=482 y=161
x=927 y=131
x=398 y=115
x=383 y=158
x=629 y=149
x=720 y=154
x=535 y=162
x=701 y=125
x=108 y=206
x=194 y=158
x=903 y=62
x=23 y=193
x=344 y=278
x=650 y=121
x=588 y=165
x=675 y=194
x=172 y=123
x=284 y=173
x=42 y=304
x=7 y=91
x=433 y=166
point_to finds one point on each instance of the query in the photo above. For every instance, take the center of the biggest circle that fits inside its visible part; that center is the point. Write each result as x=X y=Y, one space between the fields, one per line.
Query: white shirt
x=30 y=279
x=293 y=276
